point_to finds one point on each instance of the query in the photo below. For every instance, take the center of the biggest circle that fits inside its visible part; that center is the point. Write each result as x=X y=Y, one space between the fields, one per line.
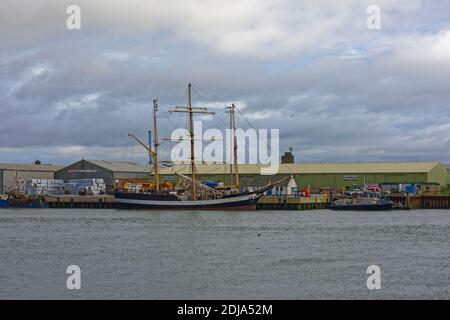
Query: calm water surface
x=223 y=255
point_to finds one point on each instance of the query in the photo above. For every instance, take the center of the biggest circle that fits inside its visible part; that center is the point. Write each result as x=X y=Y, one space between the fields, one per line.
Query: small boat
x=362 y=204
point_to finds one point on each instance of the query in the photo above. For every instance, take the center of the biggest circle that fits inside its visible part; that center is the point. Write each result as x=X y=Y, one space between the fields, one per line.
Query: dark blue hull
x=4 y=204
x=27 y=203
x=170 y=202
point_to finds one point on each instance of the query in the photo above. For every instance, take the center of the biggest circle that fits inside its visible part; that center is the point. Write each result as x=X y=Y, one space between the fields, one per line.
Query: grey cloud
x=69 y=94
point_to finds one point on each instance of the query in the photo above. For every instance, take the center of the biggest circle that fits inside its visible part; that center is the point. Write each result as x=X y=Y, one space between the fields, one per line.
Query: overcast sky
x=337 y=90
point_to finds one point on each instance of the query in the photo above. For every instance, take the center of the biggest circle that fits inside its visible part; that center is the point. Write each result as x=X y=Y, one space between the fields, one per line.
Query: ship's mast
x=235 y=146
x=191 y=110
x=231 y=152
x=191 y=133
x=155 y=145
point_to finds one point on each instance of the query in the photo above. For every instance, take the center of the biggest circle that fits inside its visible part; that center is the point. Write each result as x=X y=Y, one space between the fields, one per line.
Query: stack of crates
x=70 y=187
x=86 y=186
x=41 y=187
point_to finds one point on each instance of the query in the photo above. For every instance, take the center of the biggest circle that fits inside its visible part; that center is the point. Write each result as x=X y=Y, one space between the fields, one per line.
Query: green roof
x=311 y=168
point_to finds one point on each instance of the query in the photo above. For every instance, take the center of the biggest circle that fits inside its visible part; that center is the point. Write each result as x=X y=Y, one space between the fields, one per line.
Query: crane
x=154 y=156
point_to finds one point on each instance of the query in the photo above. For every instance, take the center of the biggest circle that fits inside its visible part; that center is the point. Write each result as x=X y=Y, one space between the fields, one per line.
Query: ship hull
x=169 y=202
x=27 y=203
x=4 y=203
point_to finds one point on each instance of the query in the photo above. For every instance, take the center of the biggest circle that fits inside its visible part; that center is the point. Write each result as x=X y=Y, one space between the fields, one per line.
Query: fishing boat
x=18 y=198
x=362 y=204
x=196 y=196
x=27 y=202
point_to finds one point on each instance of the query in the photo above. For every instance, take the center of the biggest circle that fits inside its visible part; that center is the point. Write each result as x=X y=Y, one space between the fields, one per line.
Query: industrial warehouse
x=112 y=172
x=327 y=175
x=10 y=173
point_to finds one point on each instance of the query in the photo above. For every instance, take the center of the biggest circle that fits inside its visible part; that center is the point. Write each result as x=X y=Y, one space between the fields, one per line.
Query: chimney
x=288 y=157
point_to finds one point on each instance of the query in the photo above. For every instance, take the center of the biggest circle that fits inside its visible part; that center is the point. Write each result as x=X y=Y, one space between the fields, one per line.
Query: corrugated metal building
x=109 y=171
x=10 y=172
x=335 y=175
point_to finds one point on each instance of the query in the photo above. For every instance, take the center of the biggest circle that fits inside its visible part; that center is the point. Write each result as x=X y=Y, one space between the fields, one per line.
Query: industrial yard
x=91 y=183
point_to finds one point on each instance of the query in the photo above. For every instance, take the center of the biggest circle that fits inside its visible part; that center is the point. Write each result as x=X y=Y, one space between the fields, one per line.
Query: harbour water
x=224 y=255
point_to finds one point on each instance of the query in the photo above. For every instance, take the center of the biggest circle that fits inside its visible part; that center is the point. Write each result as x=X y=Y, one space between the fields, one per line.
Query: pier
x=73 y=201
x=264 y=203
x=292 y=203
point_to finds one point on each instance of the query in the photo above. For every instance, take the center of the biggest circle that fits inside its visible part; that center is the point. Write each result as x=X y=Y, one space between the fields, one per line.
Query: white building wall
x=292 y=187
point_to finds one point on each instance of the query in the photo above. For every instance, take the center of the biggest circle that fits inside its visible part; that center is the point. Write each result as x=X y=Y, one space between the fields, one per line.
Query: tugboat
x=196 y=196
x=362 y=204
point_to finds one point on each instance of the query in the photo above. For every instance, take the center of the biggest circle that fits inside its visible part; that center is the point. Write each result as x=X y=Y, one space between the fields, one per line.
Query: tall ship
x=195 y=196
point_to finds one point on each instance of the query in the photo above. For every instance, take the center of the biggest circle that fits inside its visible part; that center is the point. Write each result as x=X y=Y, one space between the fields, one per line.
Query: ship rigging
x=198 y=196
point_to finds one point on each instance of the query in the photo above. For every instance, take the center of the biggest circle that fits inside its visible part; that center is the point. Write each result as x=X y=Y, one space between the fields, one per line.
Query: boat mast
x=191 y=110
x=235 y=146
x=155 y=145
x=231 y=139
x=191 y=133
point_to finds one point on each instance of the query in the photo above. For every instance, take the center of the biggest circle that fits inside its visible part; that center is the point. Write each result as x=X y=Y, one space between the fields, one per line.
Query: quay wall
x=264 y=203
x=423 y=202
